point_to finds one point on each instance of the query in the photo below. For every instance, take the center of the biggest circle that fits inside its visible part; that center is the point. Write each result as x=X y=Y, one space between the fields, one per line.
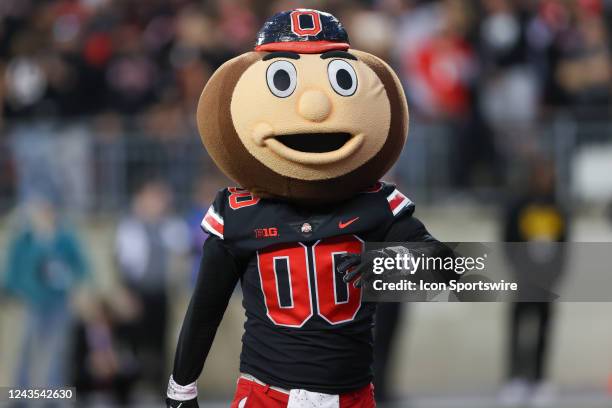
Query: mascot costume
x=305 y=126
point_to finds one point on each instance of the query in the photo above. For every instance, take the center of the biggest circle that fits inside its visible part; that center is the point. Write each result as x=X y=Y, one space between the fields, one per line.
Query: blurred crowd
x=105 y=342
x=66 y=58
x=123 y=73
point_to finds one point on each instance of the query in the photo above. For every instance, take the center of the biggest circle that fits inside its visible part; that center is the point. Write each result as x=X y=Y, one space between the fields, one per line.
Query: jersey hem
x=314 y=388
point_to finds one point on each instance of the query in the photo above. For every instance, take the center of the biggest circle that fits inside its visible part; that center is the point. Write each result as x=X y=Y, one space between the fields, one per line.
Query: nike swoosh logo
x=179 y=405
x=343 y=225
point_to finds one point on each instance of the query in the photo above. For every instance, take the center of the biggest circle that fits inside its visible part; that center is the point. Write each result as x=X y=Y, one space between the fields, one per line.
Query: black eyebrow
x=281 y=54
x=338 y=54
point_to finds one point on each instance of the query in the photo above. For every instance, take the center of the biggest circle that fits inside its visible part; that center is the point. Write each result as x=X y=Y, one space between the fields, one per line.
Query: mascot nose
x=314 y=106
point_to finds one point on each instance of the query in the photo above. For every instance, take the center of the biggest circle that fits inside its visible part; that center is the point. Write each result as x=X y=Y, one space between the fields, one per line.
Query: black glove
x=193 y=403
x=357 y=268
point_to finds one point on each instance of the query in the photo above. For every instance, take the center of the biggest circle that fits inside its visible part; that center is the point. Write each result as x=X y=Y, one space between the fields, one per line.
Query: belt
x=249 y=377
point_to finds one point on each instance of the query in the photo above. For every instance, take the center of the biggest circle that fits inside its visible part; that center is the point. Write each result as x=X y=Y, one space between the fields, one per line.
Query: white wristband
x=182 y=392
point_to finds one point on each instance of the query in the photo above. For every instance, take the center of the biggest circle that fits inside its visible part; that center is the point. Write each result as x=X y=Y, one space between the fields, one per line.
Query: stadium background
x=98 y=98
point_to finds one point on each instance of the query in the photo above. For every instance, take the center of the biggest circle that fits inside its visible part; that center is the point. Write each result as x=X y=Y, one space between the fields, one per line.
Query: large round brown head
x=313 y=126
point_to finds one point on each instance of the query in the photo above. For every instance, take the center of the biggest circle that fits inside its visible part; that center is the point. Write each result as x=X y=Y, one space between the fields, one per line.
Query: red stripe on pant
x=253 y=395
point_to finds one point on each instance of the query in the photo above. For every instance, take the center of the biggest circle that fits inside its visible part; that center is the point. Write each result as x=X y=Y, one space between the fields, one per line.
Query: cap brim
x=304 y=47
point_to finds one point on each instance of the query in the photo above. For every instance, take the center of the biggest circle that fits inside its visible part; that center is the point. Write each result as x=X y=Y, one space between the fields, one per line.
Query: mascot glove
x=181 y=396
x=170 y=403
x=357 y=268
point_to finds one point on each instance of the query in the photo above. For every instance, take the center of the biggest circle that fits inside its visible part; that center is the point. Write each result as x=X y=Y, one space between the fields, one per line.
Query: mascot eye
x=342 y=77
x=282 y=78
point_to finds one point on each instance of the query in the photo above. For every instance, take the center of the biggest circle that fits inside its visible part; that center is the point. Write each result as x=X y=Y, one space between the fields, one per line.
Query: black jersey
x=305 y=327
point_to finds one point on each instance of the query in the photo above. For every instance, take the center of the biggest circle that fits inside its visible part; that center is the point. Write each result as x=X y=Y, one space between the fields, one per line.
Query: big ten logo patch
x=270 y=232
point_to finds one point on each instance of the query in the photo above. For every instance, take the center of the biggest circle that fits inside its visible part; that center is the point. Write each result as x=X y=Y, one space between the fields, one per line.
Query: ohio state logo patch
x=305 y=22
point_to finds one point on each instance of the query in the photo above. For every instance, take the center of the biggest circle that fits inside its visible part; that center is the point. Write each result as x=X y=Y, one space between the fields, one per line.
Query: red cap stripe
x=304 y=47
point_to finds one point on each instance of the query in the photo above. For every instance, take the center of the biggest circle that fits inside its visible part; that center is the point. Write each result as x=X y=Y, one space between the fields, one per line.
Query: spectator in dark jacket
x=538 y=218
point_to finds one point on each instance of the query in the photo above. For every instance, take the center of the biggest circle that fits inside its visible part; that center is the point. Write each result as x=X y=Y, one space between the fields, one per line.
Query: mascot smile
x=306 y=126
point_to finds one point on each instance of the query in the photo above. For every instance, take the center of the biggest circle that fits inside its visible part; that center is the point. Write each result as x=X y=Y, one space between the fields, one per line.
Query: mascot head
x=304 y=117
